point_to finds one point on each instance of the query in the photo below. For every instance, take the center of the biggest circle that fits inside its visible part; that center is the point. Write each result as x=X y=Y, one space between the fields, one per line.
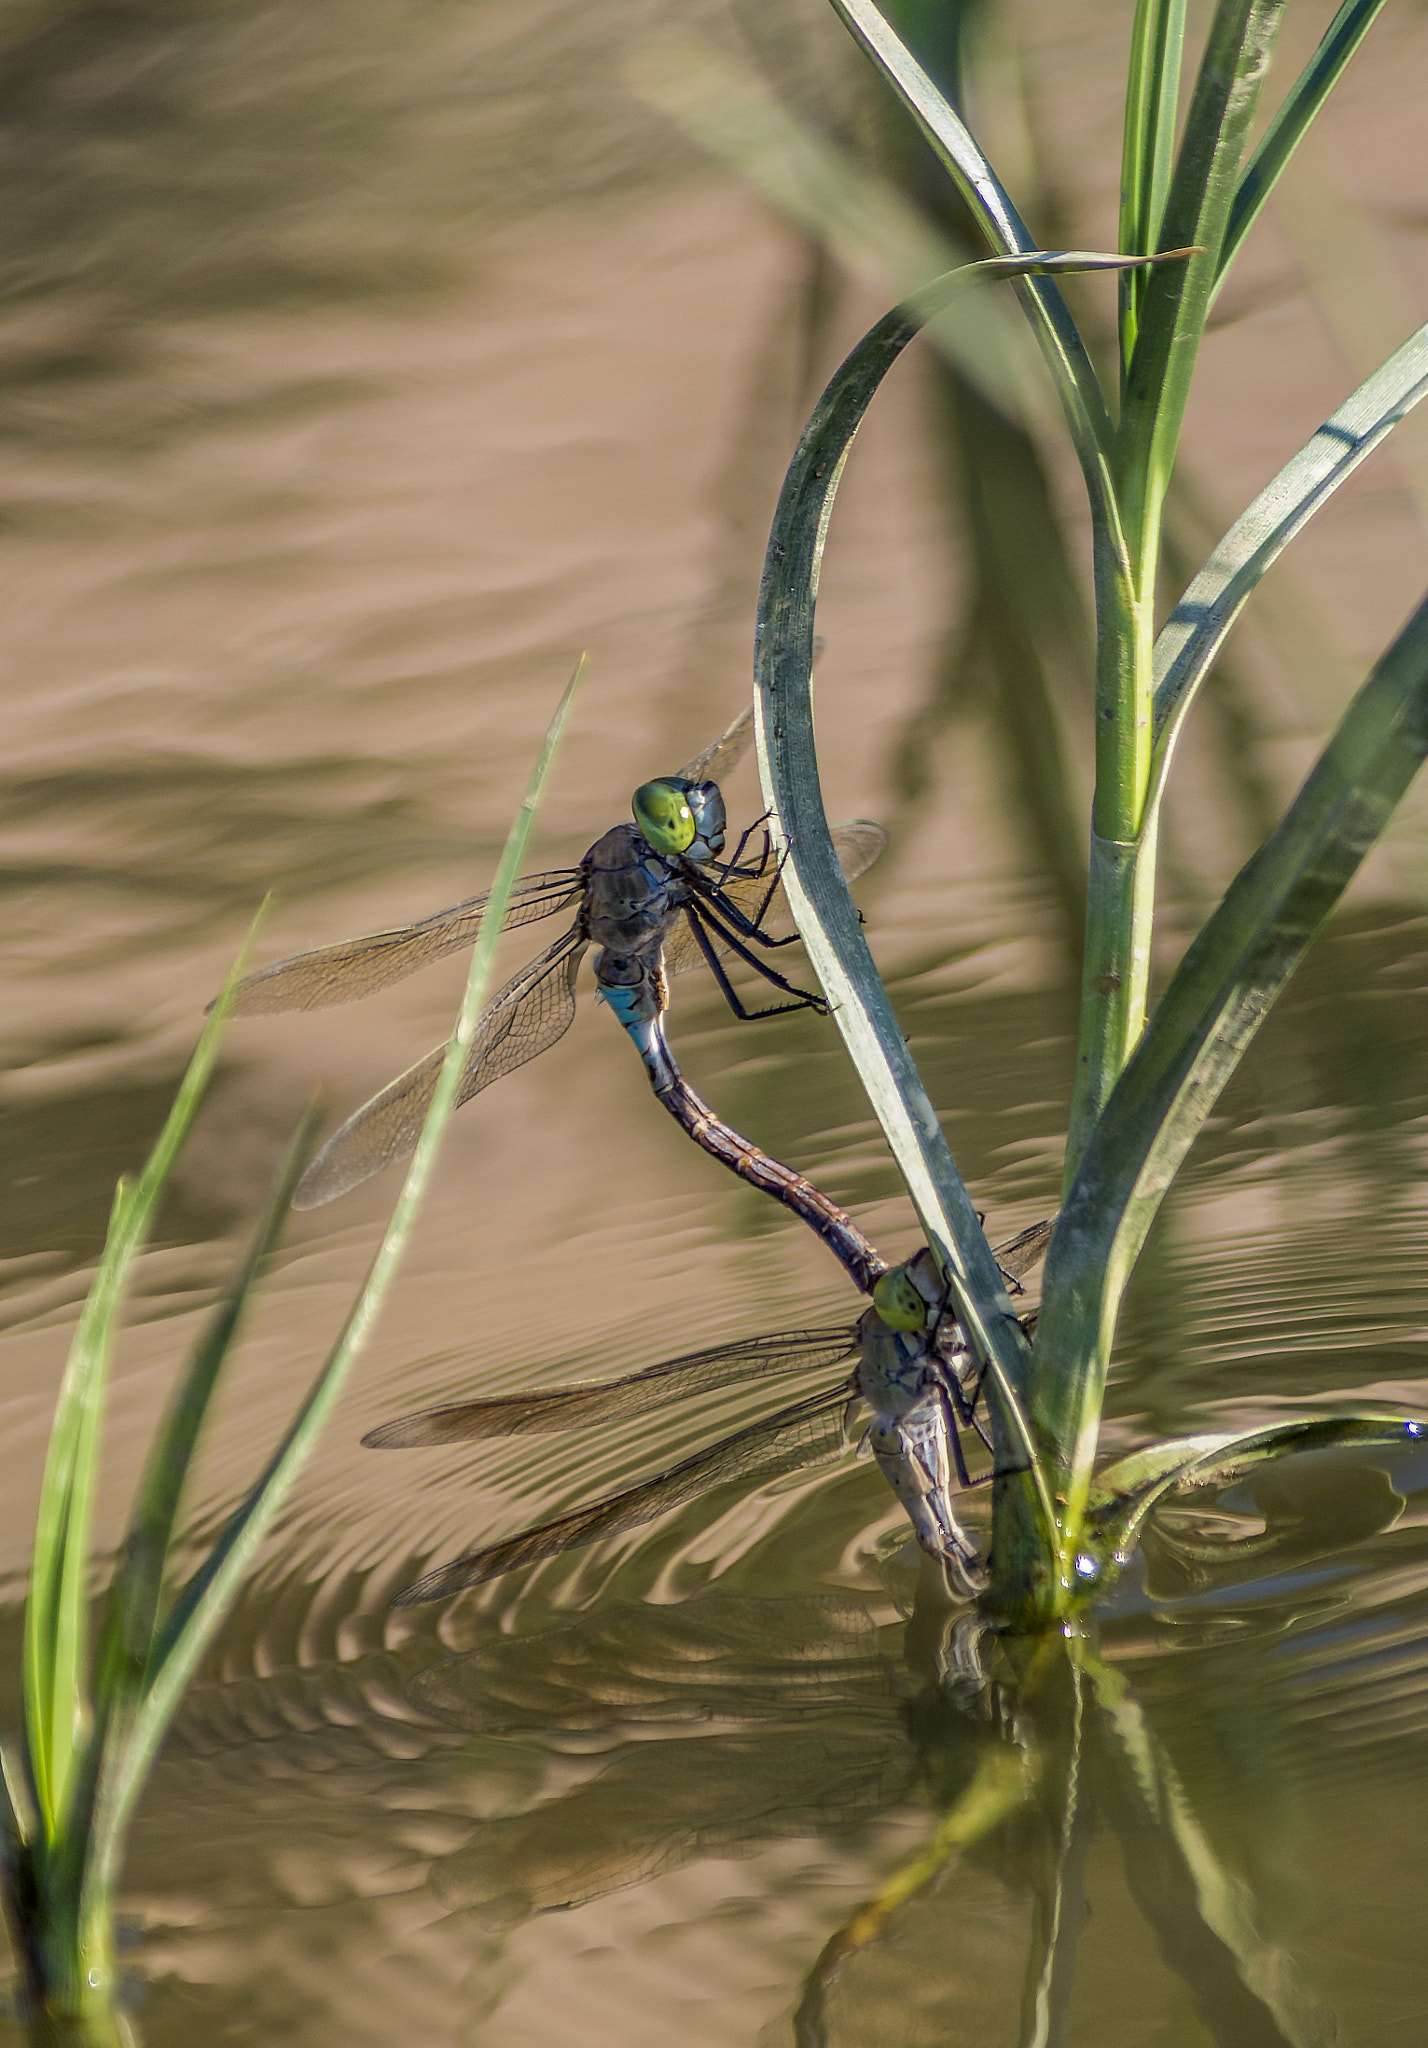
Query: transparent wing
x=782 y=1442
x=359 y=967
x=1019 y=1255
x=722 y=756
x=589 y=1402
x=531 y=1012
x=857 y=845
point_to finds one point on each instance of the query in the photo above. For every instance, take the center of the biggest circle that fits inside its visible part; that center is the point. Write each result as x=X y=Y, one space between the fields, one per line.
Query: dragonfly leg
x=732 y=867
x=802 y=999
x=752 y=927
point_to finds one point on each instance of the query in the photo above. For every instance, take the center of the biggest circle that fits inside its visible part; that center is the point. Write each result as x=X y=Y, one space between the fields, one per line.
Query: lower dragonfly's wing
x=531 y=1012
x=857 y=845
x=782 y=1442
x=722 y=756
x=590 y=1402
x=359 y=967
x=1020 y=1254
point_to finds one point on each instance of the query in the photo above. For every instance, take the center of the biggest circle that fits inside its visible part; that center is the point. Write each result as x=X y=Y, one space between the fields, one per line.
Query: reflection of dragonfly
x=913 y=1371
x=654 y=896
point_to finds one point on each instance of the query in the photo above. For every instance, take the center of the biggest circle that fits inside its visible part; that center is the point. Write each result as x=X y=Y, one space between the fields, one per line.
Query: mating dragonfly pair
x=913 y=1372
x=656 y=897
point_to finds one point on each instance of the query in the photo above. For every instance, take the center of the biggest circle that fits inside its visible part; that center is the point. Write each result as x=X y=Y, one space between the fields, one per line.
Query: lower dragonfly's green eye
x=663 y=815
x=898 y=1302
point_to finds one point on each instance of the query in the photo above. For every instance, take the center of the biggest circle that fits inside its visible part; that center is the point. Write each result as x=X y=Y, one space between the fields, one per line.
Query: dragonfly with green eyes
x=654 y=896
x=911 y=1369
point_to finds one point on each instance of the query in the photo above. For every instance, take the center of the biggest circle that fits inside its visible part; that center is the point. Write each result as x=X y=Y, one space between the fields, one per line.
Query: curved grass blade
x=56 y=1642
x=823 y=908
x=203 y=1602
x=1077 y=385
x=1214 y=1004
x=1126 y=1492
x=1195 y=631
x=1290 y=124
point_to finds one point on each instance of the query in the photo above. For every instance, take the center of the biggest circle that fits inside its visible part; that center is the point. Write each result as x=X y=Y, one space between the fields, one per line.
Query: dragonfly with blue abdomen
x=912 y=1369
x=654 y=896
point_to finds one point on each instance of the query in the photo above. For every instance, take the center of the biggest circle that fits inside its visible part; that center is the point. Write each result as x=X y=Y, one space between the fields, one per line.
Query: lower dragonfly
x=654 y=896
x=913 y=1371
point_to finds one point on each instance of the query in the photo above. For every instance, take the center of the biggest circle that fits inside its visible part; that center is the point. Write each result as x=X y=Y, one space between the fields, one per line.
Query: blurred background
x=361 y=365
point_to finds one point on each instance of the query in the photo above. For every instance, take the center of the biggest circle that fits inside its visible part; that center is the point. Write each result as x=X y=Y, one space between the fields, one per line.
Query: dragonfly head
x=679 y=817
x=911 y=1296
x=898 y=1300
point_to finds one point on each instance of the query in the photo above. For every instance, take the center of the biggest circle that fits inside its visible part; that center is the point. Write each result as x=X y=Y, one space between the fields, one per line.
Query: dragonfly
x=655 y=897
x=912 y=1369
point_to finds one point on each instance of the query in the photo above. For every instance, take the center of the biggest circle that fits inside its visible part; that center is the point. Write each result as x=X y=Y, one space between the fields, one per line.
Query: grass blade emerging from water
x=1214 y=1004
x=56 y=1652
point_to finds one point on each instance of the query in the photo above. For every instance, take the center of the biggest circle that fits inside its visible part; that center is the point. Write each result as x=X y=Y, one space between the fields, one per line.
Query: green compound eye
x=898 y=1302
x=664 y=816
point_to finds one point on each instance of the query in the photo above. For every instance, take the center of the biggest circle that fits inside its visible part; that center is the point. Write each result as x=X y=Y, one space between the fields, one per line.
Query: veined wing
x=533 y=1010
x=782 y=1442
x=722 y=756
x=353 y=968
x=590 y=1402
x=1020 y=1254
x=857 y=845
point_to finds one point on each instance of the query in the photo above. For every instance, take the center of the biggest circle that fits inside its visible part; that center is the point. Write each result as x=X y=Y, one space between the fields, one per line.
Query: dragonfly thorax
x=631 y=892
x=895 y=1368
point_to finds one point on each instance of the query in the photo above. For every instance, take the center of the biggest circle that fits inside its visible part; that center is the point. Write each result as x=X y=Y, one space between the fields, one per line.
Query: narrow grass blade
x=86 y=1853
x=1176 y=299
x=56 y=1644
x=1148 y=144
x=201 y=1606
x=1125 y=1493
x=1214 y=1004
x=1077 y=385
x=1286 y=131
x=1195 y=631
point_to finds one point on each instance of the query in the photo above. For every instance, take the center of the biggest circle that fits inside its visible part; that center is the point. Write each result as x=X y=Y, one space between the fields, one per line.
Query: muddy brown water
x=361 y=366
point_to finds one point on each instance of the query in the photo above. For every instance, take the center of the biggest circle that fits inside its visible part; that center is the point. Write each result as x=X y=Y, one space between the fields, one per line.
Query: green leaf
x=56 y=1645
x=128 y=1631
x=200 y=1607
x=1289 y=126
x=1195 y=631
x=1148 y=146
x=1215 y=1003
x=1176 y=299
x=1124 y=1493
